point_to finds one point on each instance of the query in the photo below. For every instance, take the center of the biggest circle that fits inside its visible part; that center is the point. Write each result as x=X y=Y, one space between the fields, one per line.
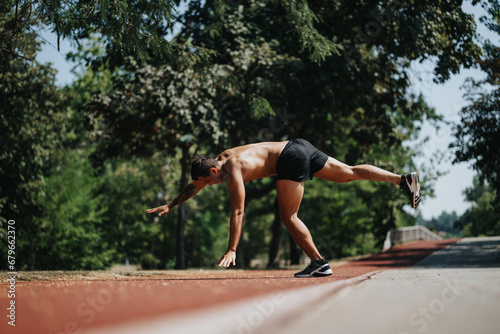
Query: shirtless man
x=293 y=162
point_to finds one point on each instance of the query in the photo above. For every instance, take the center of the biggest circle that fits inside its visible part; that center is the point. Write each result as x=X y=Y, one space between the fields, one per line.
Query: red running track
x=70 y=306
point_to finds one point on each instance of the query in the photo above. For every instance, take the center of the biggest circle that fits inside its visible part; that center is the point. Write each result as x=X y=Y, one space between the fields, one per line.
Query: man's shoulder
x=232 y=164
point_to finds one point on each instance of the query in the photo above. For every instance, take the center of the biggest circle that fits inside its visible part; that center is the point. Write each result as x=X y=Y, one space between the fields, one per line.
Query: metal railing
x=405 y=234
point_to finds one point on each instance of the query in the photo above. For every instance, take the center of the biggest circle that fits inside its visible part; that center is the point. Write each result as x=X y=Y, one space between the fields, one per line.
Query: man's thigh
x=335 y=171
x=290 y=195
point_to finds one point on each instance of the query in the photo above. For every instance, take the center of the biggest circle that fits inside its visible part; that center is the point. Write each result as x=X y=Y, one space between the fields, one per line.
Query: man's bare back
x=234 y=167
x=253 y=161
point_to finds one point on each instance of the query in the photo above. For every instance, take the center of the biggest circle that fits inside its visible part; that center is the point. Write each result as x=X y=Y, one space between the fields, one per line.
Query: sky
x=446 y=98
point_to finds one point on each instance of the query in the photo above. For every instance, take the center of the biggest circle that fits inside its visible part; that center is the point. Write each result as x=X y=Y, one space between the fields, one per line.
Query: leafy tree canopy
x=478 y=133
x=481 y=219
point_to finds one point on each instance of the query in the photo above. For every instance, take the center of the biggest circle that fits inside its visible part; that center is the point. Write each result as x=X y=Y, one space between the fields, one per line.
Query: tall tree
x=154 y=109
x=30 y=124
x=478 y=133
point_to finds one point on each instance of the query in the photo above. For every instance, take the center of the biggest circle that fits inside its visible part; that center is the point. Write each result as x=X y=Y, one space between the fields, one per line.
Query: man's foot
x=411 y=188
x=317 y=268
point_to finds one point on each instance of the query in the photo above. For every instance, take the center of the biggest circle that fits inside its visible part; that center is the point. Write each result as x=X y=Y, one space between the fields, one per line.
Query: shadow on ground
x=404 y=255
x=468 y=253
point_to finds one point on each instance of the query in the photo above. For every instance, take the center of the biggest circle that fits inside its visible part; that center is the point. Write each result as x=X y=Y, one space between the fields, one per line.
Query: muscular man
x=293 y=162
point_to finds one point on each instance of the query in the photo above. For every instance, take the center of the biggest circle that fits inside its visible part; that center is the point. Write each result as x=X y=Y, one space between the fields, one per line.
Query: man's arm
x=237 y=196
x=189 y=191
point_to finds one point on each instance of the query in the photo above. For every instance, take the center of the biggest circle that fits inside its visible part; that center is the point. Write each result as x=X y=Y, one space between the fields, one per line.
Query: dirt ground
x=69 y=302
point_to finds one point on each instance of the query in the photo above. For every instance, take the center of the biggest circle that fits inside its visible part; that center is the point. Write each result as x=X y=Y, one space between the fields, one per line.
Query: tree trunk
x=295 y=252
x=277 y=237
x=180 y=262
x=243 y=261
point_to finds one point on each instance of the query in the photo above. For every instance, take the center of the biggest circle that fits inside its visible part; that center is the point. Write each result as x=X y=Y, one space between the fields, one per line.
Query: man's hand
x=228 y=258
x=162 y=209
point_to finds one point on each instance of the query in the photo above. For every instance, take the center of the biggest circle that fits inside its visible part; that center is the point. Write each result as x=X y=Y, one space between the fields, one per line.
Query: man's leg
x=289 y=197
x=337 y=171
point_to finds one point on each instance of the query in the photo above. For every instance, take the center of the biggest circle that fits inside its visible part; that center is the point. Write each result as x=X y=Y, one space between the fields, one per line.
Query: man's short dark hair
x=201 y=166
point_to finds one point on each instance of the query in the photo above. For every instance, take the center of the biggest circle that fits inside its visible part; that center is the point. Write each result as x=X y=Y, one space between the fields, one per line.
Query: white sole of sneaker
x=416 y=190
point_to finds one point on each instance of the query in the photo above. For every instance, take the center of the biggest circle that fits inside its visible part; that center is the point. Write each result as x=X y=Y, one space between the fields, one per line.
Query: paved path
x=183 y=302
x=455 y=290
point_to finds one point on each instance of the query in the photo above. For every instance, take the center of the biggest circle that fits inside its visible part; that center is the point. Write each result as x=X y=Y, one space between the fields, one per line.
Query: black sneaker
x=411 y=188
x=317 y=268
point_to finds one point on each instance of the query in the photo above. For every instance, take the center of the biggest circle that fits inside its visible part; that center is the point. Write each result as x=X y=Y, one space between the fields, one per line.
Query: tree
x=30 y=125
x=481 y=218
x=70 y=231
x=155 y=109
x=139 y=28
x=136 y=28
x=445 y=222
x=478 y=133
x=127 y=186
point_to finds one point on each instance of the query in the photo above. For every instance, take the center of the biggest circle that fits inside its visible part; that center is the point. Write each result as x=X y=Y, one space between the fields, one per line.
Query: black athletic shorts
x=299 y=160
